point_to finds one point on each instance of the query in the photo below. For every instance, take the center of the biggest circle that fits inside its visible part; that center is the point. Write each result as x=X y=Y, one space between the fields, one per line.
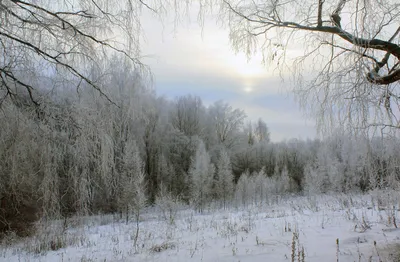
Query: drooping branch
x=10 y=75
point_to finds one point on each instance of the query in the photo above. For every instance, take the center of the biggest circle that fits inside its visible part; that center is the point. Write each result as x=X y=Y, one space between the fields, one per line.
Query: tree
x=313 y=180
x=261 y=186
x=132 y=184
x=351 y=53
x=243 y=189
x=261 y=131
x=179 y=152
x=284 y=181
x=41 y=38
x=188 y=114
x=224 y=179
x=202 y=176
x=151 y=124
x=250 y=134
x=227 y=122
x=168 y=204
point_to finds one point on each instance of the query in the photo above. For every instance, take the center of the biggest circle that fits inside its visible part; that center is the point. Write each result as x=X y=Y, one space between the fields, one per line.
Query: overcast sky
x=189 y=60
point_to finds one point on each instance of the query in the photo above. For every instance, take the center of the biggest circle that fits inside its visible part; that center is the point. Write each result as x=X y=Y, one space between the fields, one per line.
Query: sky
x=190 y=59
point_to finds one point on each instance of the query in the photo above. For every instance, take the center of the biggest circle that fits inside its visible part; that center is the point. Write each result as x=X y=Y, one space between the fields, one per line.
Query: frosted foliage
x=258 y=188
x=227 y=122
x=80 y=175
x=106 y=165
x=188 y=114
x=201 y=175
x=139 y=200
x=267 y=187
x=82 y=185
x=50 y=185
x=261 y=187
x=168 y=204
x=313 y=180
x=167 y=174
x=284 y=181
x=224 y=178
x=243 y=190
x=132 y=183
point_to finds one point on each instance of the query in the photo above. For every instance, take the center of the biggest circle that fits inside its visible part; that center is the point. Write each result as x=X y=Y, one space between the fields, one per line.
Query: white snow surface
x=363 y=224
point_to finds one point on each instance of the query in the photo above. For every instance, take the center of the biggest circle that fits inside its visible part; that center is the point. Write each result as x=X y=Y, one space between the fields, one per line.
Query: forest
x=82 y=154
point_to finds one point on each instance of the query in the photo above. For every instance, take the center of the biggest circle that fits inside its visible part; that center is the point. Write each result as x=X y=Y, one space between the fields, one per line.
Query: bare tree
x=349 y=70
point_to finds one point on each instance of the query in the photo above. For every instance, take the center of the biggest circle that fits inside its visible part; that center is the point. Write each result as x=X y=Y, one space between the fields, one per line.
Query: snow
x=262 y=232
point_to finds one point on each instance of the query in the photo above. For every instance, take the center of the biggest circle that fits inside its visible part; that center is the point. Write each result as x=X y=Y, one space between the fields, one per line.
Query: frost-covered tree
x=179 y=152
x=250 y=133
x=168 y=204
x=284 y=181
x=261 y=131
x=313 y=180
x=224 y=178
x=201 y=177
x=166 y=175
x=243 y=190
x=132 y=186
x=188 y=115
x=227 y=122
x=262 y=184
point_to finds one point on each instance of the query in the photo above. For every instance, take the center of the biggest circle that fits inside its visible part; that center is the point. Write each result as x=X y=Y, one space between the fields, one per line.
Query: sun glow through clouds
x=248 y=89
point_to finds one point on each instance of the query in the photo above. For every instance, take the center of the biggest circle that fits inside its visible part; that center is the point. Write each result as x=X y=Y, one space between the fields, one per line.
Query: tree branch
x=10 y=75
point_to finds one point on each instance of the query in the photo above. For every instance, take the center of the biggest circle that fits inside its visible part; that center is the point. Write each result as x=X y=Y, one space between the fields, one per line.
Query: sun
x=248 y=89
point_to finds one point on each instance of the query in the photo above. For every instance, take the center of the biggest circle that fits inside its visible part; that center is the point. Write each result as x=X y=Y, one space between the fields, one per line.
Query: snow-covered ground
x=362 y=225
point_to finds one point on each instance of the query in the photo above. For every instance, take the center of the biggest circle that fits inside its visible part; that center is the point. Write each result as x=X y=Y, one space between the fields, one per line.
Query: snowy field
x=318 y=228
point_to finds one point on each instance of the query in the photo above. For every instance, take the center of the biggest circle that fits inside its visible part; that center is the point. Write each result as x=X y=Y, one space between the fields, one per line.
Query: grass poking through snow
x=297 y=229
